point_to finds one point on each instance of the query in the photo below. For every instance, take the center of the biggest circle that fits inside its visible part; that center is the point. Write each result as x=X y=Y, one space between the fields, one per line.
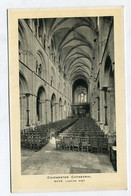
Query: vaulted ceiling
x=74 y=42
x=73 y=39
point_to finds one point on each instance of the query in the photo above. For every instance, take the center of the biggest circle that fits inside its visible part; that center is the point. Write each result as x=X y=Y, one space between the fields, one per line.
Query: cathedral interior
x=67 y=95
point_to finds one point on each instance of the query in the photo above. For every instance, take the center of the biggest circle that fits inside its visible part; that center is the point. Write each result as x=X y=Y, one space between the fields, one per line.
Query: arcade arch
x=109 y=95
x=24 y=104
x=41 y=105
x=53 y=108
x=60 y=109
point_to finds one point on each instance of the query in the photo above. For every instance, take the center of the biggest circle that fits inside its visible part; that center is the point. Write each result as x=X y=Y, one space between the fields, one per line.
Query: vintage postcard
x=67 y=99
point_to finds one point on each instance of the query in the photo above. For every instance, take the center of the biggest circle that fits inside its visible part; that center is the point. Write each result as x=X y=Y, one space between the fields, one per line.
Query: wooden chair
x=113 y=156
x=66 y=144
x=85 y=143
x=104 y=145
x=58 y=145
x=23 y=141
x=37 y=142
x=94 y=145
x=76 y=143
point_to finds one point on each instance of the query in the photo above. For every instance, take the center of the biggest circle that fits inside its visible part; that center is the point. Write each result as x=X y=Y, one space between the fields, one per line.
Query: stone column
x=28 y=110
x=56 y=112
x=48 y=111
x=33 y=111
x=112 y=110
x=102 y=107
x=42 y=111
x=62 y=112
x=105 y=106
x=98 y=108
x=23 y=112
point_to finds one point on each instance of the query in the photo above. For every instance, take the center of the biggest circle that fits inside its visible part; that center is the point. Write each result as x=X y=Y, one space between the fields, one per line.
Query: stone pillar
x=48 y=111
x=95 y=108
x=56 y=112
x=23 y=112
x=98 y=108
x=62 y=112
x=33 y=112
x=105 y=106
x=28 y=110
x=61 y=108
x=102 y=119
x=112 y=110
x=42 y=112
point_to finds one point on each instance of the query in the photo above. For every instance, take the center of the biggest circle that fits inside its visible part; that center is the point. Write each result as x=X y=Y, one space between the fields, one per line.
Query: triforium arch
x=23 y=85
x=23 y=44
x=23 y=93
x=53 y=108
x=109 y=95
x=40 y=65
x=41 y=105
x=23 y=37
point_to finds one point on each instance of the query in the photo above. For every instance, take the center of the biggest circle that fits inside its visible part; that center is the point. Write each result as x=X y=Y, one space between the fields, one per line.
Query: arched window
x=40 y=65
x=82 y=97
x=23 y=44
x=38 y=68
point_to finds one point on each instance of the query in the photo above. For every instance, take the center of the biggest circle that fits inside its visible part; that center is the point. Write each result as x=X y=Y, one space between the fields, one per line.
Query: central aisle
x=51 y=161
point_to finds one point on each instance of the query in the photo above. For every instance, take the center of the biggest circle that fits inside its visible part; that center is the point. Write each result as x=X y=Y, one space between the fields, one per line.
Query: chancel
x=67 y=95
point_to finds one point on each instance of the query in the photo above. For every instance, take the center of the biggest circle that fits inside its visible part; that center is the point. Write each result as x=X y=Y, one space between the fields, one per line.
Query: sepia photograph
x=66 y=80
x=67 y=95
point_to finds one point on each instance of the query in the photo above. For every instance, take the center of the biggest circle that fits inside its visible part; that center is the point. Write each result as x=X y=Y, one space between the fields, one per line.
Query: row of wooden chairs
x=37 y=137
x=58 y=124
x=87 y=144
x=84 y=134
x=34 y=141
x=86 y=126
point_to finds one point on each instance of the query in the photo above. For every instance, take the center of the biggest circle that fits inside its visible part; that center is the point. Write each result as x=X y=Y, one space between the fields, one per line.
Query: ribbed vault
x=73 y=40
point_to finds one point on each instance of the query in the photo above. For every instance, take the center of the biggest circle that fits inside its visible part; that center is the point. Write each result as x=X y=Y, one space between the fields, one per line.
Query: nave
x=67 y=94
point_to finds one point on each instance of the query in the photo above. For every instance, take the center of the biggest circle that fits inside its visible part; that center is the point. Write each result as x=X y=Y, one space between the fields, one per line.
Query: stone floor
x=51 y=161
